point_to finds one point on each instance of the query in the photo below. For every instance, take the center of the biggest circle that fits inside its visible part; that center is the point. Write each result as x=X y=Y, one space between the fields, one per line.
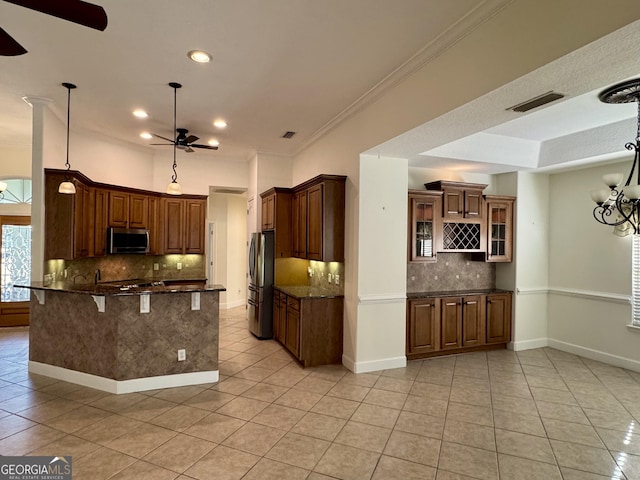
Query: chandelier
x=617 y=205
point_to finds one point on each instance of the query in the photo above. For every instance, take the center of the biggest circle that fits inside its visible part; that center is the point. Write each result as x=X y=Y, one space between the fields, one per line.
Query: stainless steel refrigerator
x=260 y=295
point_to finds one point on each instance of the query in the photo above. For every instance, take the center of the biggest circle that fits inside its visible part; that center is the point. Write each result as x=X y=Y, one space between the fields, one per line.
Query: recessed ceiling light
x=199 y=56
x=213 y=142
x=146 y=135
x=140 y=113
x=220 y=124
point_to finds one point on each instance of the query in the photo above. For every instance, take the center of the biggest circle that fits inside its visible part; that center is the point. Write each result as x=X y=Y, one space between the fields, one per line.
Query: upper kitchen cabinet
x=460 y=200
x=68 y=219
x=183 y=224
x=318 y=218
x=425 y=225
x=499 y=228
x=276 y=217
x=128 y=210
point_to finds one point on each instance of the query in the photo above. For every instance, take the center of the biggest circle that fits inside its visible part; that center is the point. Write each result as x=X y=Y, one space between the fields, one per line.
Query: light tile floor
x=537 y=414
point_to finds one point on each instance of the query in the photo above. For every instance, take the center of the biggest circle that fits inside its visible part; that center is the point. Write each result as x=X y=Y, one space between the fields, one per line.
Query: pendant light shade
x=67 y=186
x=174 y=187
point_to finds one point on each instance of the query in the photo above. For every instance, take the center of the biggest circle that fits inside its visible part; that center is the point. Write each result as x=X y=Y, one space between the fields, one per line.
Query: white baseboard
x=597 y=355
x=529 y=344
x=374 y=365
x=237 y=303
x=123 y=386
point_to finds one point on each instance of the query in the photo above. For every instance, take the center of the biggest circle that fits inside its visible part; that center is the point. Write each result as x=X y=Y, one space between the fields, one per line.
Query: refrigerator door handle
x=252 y=260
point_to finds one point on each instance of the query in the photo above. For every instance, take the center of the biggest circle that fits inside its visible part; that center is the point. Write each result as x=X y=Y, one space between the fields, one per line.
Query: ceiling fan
x=76 y=11
x=182 y=141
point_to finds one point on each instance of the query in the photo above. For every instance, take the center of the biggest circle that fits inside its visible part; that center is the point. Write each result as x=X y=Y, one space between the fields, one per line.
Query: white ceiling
x=304 y=65
x=278 y=65
x=483 y=136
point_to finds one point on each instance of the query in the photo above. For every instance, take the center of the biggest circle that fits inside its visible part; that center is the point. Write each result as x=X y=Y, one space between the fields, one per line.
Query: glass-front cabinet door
x=500 y=231
x=424 y=225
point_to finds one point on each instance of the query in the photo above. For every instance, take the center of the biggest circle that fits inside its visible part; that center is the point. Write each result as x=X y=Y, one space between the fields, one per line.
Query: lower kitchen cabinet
x=456 y=324
x=310 y=327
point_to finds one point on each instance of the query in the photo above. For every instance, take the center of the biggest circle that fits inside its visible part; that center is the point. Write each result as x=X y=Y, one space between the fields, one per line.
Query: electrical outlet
x=179 y=265
x=336 y=278
x=182 y=355
x=329 y=278
x=156 y=266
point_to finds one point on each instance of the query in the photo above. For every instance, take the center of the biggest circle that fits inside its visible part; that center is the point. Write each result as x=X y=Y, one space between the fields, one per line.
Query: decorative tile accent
x=454 y=271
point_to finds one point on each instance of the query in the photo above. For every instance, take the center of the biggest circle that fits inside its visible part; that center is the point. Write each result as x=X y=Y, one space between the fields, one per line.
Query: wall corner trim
x=382 y=298
x=530 y=344
x=374 y=365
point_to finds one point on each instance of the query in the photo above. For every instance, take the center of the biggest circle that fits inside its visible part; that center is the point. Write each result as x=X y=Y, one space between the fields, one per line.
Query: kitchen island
x=125 y=339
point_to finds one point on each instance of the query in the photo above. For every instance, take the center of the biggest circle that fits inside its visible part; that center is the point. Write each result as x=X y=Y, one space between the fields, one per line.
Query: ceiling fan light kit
x=67 y=185
x=617 y=206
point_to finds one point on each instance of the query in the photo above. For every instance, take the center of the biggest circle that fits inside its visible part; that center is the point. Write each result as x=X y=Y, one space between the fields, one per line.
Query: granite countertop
x=109 y=290
x=305 y=291
x=454 y=293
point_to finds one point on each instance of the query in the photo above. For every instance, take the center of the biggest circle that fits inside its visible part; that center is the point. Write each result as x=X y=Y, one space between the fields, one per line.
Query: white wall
x=228 y=212
x=531 y=261
x=15 y=162
x=589 y=273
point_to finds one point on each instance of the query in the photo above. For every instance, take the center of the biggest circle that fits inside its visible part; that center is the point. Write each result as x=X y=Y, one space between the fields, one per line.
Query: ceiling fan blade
x=160 y=144
x=190 y=139
x=208 y=147
x=164 y=138
x=189 y=150
x=9 y=47
x=76 y=11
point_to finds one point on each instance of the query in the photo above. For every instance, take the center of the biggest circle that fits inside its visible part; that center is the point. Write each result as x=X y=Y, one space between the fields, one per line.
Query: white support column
x=39 y=106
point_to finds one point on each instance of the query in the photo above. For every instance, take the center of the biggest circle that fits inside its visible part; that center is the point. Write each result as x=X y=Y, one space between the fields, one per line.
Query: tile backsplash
x=114 y=268
x=451 y=271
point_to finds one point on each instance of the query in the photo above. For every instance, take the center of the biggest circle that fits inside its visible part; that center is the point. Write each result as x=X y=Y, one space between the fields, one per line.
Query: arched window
x=18 y=191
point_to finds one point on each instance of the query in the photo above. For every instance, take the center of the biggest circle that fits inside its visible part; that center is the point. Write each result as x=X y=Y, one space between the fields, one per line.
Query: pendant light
x=67 y=186
x=174 y=187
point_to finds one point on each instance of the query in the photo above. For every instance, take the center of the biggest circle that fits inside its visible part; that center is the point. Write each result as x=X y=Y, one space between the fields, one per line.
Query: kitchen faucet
x=96 y=277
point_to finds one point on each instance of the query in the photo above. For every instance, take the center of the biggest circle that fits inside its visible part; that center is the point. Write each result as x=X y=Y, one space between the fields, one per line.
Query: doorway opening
x=15 y=269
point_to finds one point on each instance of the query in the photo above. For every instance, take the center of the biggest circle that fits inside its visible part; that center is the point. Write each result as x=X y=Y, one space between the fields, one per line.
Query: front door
x=15 y=269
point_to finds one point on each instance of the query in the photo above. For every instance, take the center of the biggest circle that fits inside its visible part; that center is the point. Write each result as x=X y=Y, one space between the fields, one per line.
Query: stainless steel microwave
x=127 y=240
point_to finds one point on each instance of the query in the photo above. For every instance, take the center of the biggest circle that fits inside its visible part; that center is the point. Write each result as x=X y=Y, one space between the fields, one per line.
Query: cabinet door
x=423 y=330
x=276 y=314
x=138 y=211
x=315 y=227
x=155 y=236
x=300 y=224
x=292 y=340
x=282 y=319
x=118 y=209
x=500 y=231
x=101 y=219
x=173 y=225
x=453 y=203
x=84 y=223
x=268 y=212
x=451 y=334
x=499 y=318
x=424 y=227
x=194 y=226
x=473 y=203
x=473 y=331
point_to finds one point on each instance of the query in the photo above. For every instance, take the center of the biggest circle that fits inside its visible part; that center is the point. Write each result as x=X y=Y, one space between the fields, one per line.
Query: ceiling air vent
x=288 y=134
x=537 y=102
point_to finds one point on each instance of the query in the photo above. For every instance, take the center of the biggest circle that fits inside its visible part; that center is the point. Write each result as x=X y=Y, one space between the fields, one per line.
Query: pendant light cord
x=174 y=177
x=68 y=86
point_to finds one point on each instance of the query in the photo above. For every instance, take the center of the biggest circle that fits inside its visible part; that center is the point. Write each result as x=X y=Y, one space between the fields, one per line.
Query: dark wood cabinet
x=460 y=199
x=498 y=318
x=425 y=225
x=101 y=220
x=76 y=225
x=310 y=328
x=183 y=224
x=277 y=216
x=423 y=328
x=318 y=218
x=299 y=224
x=499 y=228
x=473 y=318
x=127 y=210
x=457 y=324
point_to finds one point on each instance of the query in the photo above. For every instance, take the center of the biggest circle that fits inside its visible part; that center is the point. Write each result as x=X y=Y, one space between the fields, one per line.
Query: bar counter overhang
x=125 y=340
